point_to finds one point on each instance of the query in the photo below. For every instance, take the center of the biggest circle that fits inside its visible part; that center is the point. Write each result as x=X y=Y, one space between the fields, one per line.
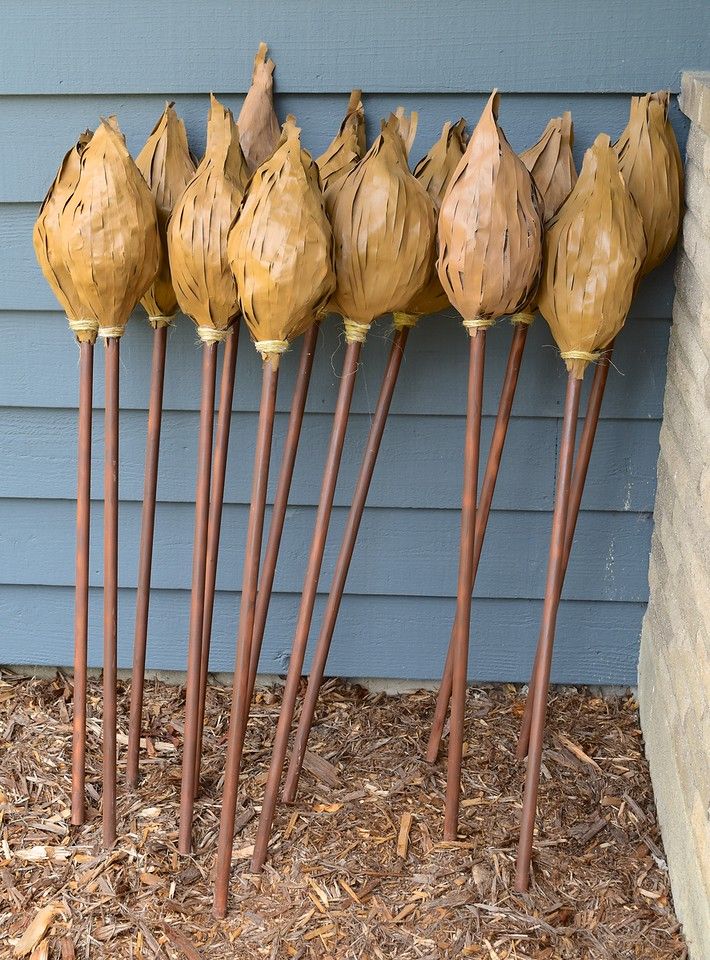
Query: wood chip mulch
x=358 y=868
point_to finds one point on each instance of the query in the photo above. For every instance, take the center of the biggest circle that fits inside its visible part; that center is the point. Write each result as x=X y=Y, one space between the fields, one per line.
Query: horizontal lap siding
x=57 y=75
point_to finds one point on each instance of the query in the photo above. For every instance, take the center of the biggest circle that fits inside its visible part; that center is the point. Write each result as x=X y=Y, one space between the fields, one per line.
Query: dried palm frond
x=259 y=129
x=650 y=163
x=48 y=248
x=551 y=163
x=347 y=146
x=199 y=225
x=594 y=249
x=167 y=166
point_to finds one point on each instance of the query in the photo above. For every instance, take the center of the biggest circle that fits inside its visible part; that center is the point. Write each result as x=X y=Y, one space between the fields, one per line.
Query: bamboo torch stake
x=283 y=267
x=46 y=239
x=551 y=165
x=433 y=172
x=360 y=298
x=585 y=294
x=167 y=167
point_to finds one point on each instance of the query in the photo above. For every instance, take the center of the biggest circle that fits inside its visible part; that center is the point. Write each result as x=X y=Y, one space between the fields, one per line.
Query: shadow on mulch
x=335 y=884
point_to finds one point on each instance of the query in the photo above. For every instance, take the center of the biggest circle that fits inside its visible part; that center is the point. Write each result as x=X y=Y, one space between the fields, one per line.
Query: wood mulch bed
x=358 y=868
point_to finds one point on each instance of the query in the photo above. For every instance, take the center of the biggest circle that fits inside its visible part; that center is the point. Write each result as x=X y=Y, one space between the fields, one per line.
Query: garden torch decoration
x=111 y=247
x=259 y=128
x=490 y=245
x=594 y=250
x=205 y=290
x=48 y=251
x=383 y=236
x=551 y=164
x=167 y=167
x=434 y=172
x=650 y=163
x=281 y=252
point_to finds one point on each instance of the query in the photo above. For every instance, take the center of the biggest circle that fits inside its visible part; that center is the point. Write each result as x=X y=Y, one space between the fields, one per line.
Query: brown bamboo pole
x=81 y=597
x=342 y=566
x=238 y=715
x=278 y=511
x=462 y=621
x=214 y=523
x=308 y=598
x=490 y=477
x=579 y=476
x=145 y=553
x=199 y=552
x=555 y=572
x=110 y=586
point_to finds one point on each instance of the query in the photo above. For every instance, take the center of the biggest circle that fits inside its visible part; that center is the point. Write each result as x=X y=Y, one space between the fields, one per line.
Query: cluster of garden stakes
x=260 y=231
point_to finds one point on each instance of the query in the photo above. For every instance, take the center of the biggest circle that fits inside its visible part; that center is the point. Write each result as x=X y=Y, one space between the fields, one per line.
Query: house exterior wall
x=674 y=666
x=62 y=67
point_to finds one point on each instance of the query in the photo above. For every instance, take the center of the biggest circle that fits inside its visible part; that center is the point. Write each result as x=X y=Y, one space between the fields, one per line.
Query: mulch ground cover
x=357 y=866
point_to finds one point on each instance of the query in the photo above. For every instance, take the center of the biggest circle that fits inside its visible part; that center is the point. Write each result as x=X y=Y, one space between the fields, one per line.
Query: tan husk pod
x=434 y=172
x=551 y=163
x=346 y=147
x=109 y=232
x=650 y=163
x=259 y=129
x=280 y=247
x=199 y=225
x=48 y=248
x=167 y=167
x=383 y=234
x=594 y=249
x=407 y=125
x=490 y=228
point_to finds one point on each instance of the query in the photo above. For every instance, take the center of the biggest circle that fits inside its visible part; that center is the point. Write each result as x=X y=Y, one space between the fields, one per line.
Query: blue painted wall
x=59 y=72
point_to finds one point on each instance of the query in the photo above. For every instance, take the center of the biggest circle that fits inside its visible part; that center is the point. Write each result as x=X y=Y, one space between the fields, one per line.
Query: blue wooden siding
x=58 y=73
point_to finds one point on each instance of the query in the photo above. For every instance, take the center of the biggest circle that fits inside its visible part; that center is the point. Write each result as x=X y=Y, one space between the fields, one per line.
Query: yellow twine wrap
x=581 y=355
x=211 y=334
x=523 y=317
x=84 y=329
x=478 y=323
x=355 y=332
x=111 y=333
x=271 y=347
x=402 y=320
x=159 y=321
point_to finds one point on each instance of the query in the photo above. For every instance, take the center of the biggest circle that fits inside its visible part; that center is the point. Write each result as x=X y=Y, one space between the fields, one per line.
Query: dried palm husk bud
x=48 y=248
x=280 y=247
x=407 y=125
x=594 y=249
x=167 y=167
x=490 y=228
x=434 y=172
x=650 y=163
x=199 y=225
x=347 y=146
x=259 y=130
x=383 y=234
x=551 y=163
x=109 y=232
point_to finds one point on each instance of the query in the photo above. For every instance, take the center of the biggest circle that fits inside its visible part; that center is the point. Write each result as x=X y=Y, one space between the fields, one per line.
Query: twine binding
x=402 y=320
x=523 y=317
x=478 y=323
x=110 y=333
x=582 y=355
x=271 y=347
x=212 y=335
x=355 y=332
x=83 y=325
x=160 y=321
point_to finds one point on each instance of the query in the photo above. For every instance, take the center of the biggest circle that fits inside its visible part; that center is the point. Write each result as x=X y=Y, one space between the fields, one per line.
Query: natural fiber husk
x=407 y=125
x=594 y=249
x=109 y=232
x=551 y=163
x=347 y=146
x=48 y=248
x=490 y=228
x=280 y=247
x=199 y=225
x=383 y=233
x=434 y=171
x=259 y=129
x=650 y=163
x=167 y=167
